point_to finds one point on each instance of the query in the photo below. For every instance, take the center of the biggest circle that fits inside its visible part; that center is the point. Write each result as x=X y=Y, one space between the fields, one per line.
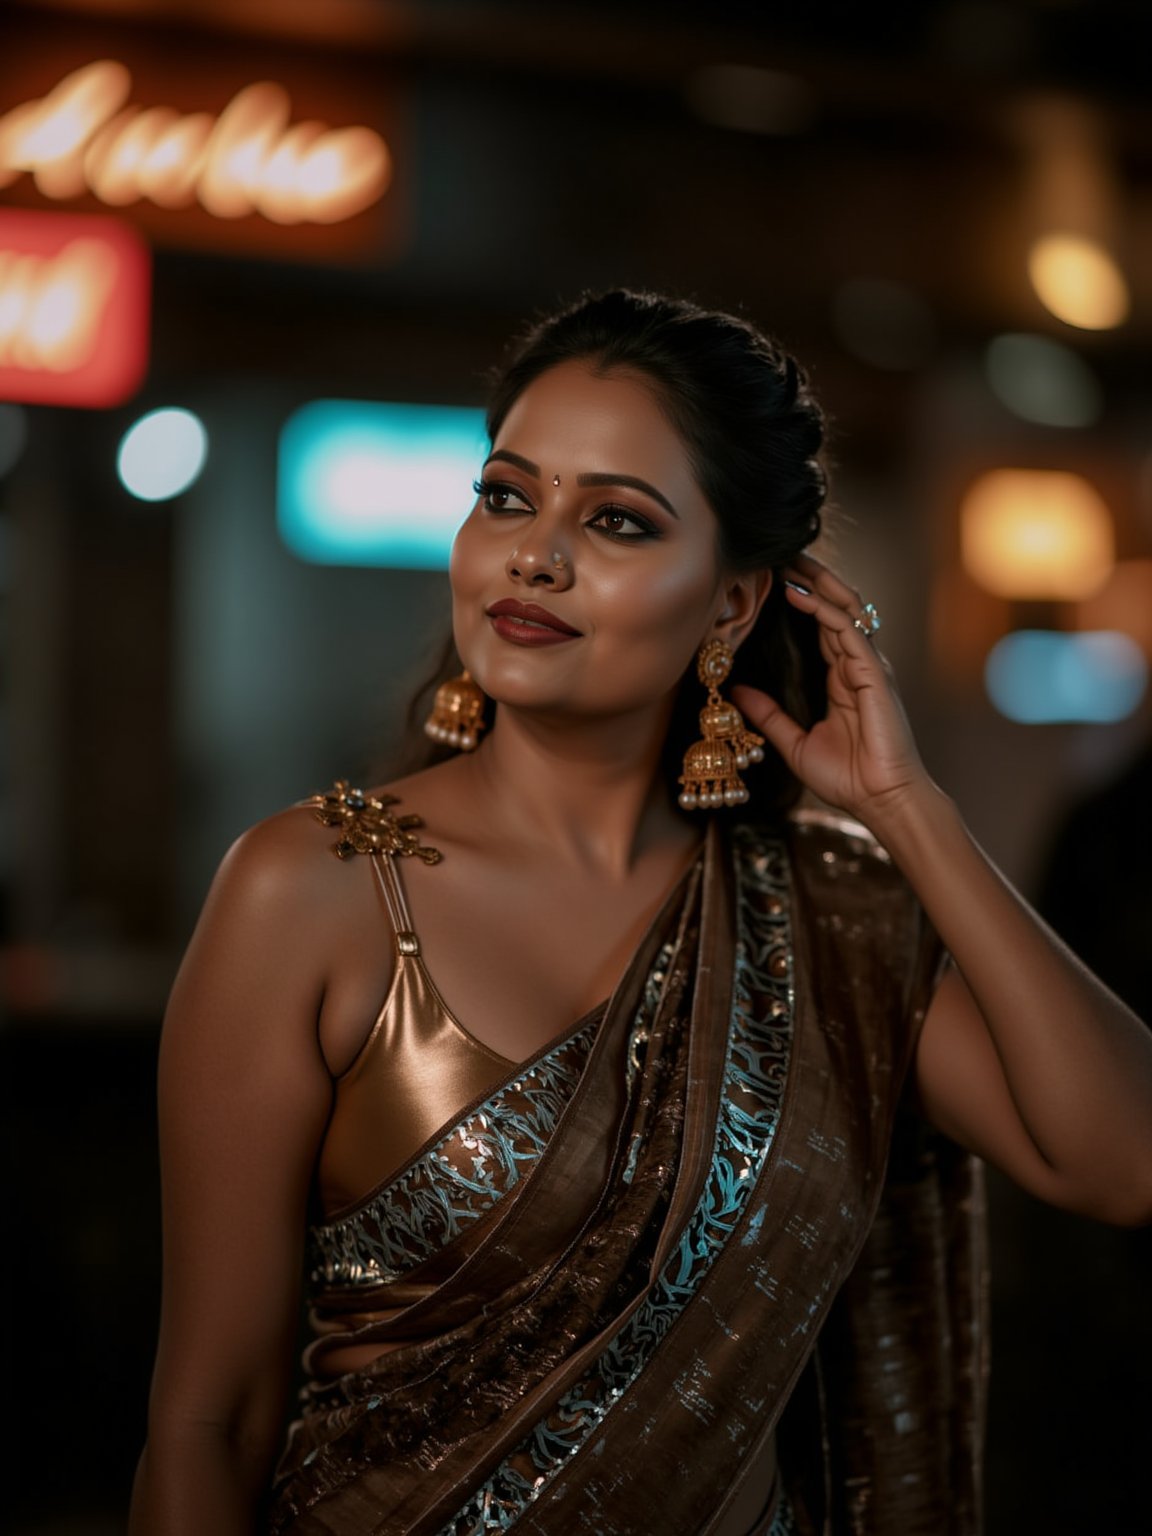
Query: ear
x=742 y=598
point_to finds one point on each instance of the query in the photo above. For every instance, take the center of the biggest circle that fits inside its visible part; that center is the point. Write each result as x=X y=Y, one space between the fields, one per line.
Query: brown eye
x=497 y=497
x=624 y=525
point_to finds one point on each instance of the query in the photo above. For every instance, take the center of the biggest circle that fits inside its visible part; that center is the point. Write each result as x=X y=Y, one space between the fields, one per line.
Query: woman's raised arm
x=1025 y=1057
x=244 y=1095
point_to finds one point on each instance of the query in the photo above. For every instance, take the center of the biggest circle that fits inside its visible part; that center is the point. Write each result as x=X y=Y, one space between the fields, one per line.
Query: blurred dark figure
x=1095 y=1311
x=1095 y=889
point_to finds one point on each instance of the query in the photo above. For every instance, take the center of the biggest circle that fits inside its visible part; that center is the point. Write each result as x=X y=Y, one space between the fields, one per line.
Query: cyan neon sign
x=362 y=483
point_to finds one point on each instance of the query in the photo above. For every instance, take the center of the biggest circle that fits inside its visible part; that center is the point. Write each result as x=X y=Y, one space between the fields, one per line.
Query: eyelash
x=486 y=489
x=646 y=529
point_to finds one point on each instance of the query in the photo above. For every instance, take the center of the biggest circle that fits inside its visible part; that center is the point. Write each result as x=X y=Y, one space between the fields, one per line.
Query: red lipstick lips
x=528 y=623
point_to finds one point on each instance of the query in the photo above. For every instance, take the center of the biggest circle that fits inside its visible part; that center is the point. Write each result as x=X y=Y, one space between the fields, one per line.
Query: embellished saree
x=677 y=1247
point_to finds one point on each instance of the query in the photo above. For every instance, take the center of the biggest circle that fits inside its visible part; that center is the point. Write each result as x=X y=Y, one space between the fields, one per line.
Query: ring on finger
x=867 y=621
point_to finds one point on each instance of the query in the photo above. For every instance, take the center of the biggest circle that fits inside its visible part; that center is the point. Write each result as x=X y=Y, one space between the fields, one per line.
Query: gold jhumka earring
x=457 y=716
x=711 y=776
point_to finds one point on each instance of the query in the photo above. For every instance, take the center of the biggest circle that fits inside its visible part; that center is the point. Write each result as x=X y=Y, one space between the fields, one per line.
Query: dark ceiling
x=559 y=146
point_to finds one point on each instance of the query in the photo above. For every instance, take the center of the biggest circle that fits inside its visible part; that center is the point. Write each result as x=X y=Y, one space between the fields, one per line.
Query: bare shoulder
x=283 y=918
x=289 y=851
x=283 y=872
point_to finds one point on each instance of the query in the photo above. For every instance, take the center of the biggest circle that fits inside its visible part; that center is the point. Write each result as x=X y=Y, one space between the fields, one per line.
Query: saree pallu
x=684 y=1277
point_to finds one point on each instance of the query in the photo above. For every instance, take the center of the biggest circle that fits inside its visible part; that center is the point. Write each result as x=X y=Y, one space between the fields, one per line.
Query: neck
x=591 y=790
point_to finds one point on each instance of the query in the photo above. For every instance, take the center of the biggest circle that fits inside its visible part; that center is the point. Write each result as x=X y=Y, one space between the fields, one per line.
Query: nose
x=541 y=564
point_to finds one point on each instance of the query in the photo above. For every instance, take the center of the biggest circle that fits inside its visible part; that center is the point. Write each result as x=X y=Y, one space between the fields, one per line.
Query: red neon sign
x=74 y=309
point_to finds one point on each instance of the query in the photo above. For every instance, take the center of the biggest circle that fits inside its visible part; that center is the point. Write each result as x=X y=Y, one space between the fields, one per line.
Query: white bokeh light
x=162 y=454
x=1043 y=381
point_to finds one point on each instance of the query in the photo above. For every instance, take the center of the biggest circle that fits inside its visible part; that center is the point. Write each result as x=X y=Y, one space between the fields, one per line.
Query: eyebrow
x=514 y=458
x=587 y=479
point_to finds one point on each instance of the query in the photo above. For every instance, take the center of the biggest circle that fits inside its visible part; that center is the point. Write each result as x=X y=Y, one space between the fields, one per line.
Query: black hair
x=753 y=432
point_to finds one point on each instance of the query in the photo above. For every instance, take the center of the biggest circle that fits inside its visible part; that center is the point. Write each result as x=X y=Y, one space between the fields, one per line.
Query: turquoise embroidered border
x=758 y=1051
x=436 y=1197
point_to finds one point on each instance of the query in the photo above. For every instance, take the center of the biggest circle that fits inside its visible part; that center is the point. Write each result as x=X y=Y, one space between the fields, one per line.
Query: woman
x=612 y=1275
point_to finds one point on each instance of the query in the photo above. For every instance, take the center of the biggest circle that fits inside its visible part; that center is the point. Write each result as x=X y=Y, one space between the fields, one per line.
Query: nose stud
x=558 y=562
x=555 y=479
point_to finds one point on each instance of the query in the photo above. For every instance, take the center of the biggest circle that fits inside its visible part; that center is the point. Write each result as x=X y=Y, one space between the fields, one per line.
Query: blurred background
x=255 y=258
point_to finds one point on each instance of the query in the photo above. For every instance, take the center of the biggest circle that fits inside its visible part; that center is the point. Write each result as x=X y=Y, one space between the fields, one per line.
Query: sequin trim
x=759 y=1043
x=456 y=1181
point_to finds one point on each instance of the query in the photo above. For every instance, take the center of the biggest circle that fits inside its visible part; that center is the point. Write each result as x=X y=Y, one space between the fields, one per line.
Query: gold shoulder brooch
x=368 y=826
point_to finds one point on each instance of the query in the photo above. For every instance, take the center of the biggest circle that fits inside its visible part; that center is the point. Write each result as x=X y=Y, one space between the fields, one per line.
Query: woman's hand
x=861 y=757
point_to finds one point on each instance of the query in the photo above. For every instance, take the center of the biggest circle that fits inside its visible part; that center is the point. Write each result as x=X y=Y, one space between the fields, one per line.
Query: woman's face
x=589 y=512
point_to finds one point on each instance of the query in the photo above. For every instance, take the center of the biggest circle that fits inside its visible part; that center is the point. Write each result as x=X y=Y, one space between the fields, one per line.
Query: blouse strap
x=367 y=825
x=388 y=877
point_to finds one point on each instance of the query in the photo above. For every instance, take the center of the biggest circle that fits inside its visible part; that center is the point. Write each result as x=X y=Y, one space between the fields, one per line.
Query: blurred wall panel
x=288 y=674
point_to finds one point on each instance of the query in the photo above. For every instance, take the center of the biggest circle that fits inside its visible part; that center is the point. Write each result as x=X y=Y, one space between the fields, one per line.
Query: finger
x=834 y=617
x=827 y=583
x=763 y=714
x=830 y=648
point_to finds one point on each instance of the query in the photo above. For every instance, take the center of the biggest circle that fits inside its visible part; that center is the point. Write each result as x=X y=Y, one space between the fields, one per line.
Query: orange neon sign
x=74 y=302
x=83 y=136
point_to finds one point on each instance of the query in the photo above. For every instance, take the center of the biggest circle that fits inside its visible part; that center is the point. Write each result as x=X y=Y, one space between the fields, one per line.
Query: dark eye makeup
x=624 y=524
x=642 y=528
x=495 y=494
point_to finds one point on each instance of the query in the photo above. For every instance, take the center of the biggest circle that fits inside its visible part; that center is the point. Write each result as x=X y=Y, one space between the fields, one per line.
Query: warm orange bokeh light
x=249 y=159
x=1124 y=602
x=1078 y=281
x=1034 y=534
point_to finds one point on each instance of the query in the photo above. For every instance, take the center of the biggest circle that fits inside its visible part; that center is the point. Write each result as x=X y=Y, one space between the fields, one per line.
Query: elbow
x=1129 y=1216
x=1125 y=1203
x=1116 y=1197
x=1135 y=1212
x=1135 y=1206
